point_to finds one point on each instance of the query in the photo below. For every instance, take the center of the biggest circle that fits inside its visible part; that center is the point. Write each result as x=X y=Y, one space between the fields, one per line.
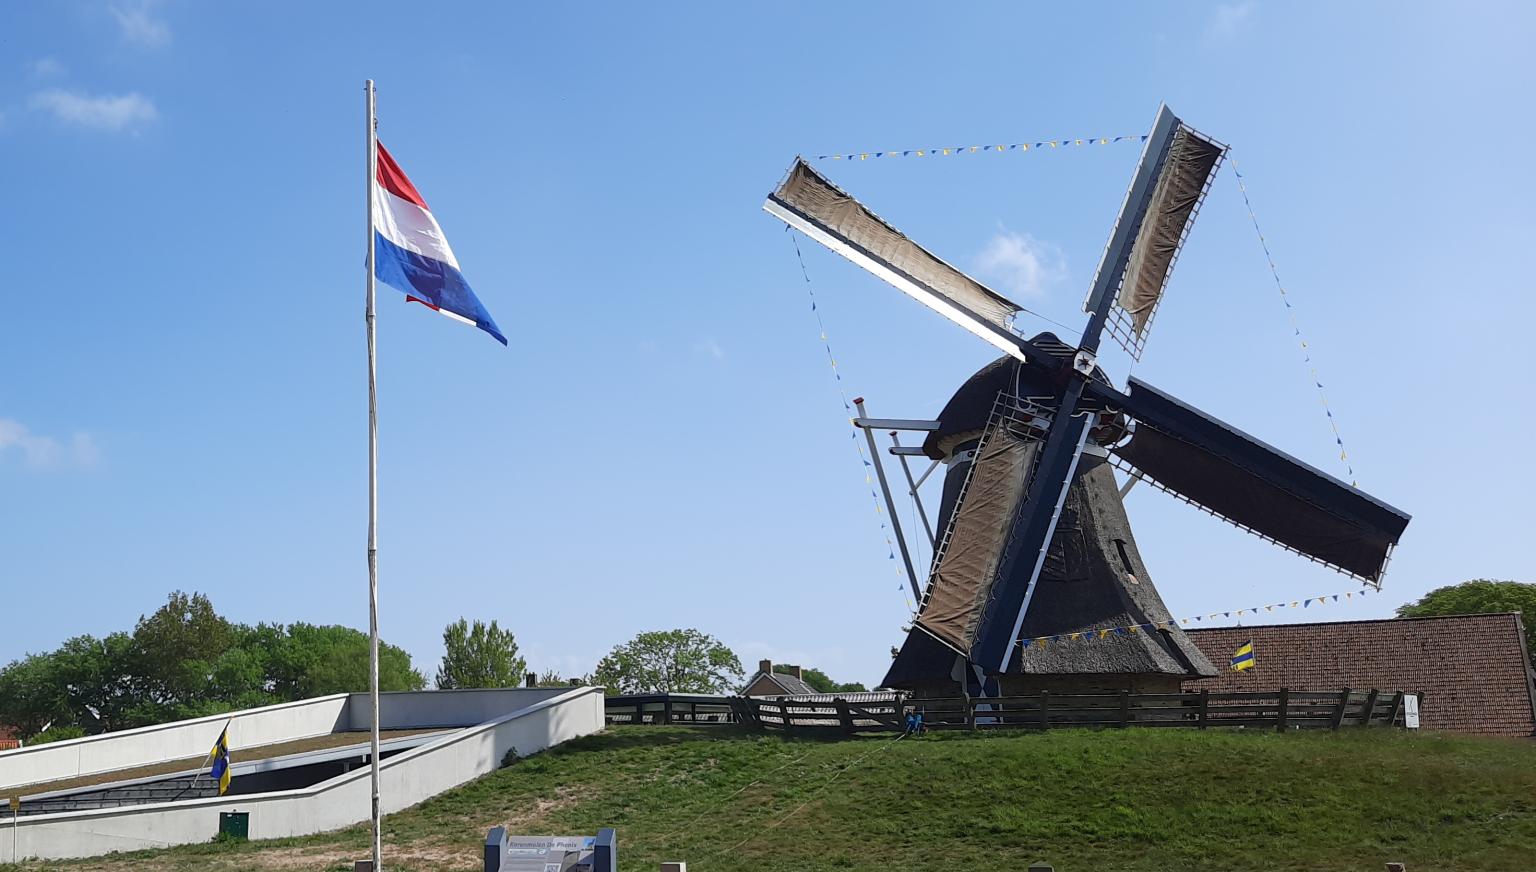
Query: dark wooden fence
x=1279 y=710
x=674 y=708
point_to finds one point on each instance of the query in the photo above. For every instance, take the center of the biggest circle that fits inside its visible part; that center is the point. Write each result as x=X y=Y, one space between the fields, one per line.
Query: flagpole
x=373 y=494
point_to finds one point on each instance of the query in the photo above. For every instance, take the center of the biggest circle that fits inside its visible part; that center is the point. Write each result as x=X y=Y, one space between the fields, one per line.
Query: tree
x=175 y=648
x=319 y=660
x=31 y=696
x=182 y=661
x=551 y=678
x=479 y=655
x=823 y=683
x=1480 y=596
x=670 y=661
x=100 y=683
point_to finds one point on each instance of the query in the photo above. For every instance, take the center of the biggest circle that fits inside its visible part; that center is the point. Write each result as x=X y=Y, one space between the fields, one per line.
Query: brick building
x=1472 y=670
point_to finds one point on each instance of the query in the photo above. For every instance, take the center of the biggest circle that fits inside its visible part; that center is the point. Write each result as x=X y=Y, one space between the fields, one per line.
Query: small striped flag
x=1243 y=657
x=220 y=754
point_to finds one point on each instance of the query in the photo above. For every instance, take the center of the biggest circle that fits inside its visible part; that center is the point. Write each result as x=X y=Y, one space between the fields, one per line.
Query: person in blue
x=915 y=725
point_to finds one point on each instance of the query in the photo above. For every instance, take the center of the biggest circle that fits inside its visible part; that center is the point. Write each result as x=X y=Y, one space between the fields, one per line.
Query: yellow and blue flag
x=1243 y=657
x=220 y=754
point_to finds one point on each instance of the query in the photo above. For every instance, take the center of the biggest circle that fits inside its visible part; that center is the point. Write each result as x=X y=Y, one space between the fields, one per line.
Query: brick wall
x=1472 y=669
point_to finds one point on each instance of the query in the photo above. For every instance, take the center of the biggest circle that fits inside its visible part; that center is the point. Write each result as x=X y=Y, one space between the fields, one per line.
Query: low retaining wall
x=342 y=801
x=110 y=752
x=414 y=710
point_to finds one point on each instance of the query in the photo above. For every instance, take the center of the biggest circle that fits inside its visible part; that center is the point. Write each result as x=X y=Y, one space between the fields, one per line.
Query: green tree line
x=186 y=661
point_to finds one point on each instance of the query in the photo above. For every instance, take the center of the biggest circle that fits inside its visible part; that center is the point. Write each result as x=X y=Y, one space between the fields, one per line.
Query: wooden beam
x=1370 y=709
x=1338 y=711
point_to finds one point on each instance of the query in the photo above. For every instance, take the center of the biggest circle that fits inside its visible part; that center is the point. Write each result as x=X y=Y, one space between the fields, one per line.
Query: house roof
x=788 y=684
x=855 y=697
x=1473 y=670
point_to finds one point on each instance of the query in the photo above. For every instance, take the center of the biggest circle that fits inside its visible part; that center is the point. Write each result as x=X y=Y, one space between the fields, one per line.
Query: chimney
x=765 y=667
x=797 y=672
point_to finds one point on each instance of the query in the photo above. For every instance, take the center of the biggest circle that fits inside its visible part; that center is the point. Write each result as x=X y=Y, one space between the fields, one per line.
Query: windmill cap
x=969 y=410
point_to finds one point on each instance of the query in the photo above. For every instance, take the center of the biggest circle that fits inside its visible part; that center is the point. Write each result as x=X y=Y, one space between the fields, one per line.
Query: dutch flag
x=411 y=255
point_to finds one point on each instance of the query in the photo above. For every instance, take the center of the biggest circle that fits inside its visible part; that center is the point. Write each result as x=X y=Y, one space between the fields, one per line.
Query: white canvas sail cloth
x=1186 y=173
x=810 y=203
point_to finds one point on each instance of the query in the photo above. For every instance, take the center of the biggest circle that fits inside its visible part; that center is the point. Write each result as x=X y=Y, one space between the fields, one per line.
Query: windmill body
x=1035 y=540
x=1092 y=578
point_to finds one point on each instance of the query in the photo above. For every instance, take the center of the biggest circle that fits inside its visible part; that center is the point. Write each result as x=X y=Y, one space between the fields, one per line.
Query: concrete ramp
x=478 y=728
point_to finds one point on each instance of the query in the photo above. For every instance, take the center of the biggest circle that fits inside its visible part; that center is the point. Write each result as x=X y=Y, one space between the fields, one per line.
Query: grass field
x=722 y=799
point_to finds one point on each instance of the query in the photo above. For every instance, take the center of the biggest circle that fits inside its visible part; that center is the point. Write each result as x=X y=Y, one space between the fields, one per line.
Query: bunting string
x=1099 y=633
x=947 y=151
x=1290 y=313
x=869 y=481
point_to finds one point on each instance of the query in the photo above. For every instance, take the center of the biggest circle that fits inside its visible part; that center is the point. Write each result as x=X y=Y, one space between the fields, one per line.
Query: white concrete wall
x=342 y=801
x=409 y=710
x=174 y=741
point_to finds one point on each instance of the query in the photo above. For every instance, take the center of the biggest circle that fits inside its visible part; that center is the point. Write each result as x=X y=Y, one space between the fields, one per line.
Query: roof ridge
x=1359 y=621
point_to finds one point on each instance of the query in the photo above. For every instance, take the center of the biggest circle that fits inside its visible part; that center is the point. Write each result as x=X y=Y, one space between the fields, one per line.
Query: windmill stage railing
x=1279 y=710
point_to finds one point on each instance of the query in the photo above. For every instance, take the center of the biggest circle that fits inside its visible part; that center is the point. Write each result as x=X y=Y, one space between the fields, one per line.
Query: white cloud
x=1021 y=264
x=46 y=68
x=45 y=451
x=137 y=22
x=710 y=347
x=1229 y=20
x=102 y=112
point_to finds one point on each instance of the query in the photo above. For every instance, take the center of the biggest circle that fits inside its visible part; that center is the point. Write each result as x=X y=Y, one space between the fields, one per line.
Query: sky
x=182 y=361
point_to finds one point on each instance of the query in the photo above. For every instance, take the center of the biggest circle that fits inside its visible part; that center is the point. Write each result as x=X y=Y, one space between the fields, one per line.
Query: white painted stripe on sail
x=985 y=330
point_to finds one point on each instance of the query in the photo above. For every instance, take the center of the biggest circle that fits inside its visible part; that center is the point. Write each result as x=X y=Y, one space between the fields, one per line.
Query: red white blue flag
x=411 y=255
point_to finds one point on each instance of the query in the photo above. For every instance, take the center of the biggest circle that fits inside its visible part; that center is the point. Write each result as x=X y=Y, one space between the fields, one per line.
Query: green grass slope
x=1108 y=800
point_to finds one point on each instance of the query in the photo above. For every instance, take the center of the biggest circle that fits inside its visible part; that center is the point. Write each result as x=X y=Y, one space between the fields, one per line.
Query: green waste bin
x=235 y=824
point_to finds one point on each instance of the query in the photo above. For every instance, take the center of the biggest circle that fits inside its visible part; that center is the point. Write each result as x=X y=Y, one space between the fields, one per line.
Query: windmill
x=1032 y=537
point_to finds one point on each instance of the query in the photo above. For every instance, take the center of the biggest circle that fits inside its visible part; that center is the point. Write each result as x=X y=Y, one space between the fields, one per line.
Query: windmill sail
x=966 y=570
x=1187 y=170
x=1237 y=477
x=1170 y=183
x=810 y=203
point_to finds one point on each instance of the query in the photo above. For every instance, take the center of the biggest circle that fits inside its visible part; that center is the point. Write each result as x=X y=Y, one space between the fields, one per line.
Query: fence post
x=495 y=849
x=1370 y=709
x=1125 y=708
x=1397 y=709
x=1205 y=707
x=784 y=713
x=605 y=851
x=666 y=710
x=1338 y=713
x=843 y=715
x=1045 y=709
x=1285 y=699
